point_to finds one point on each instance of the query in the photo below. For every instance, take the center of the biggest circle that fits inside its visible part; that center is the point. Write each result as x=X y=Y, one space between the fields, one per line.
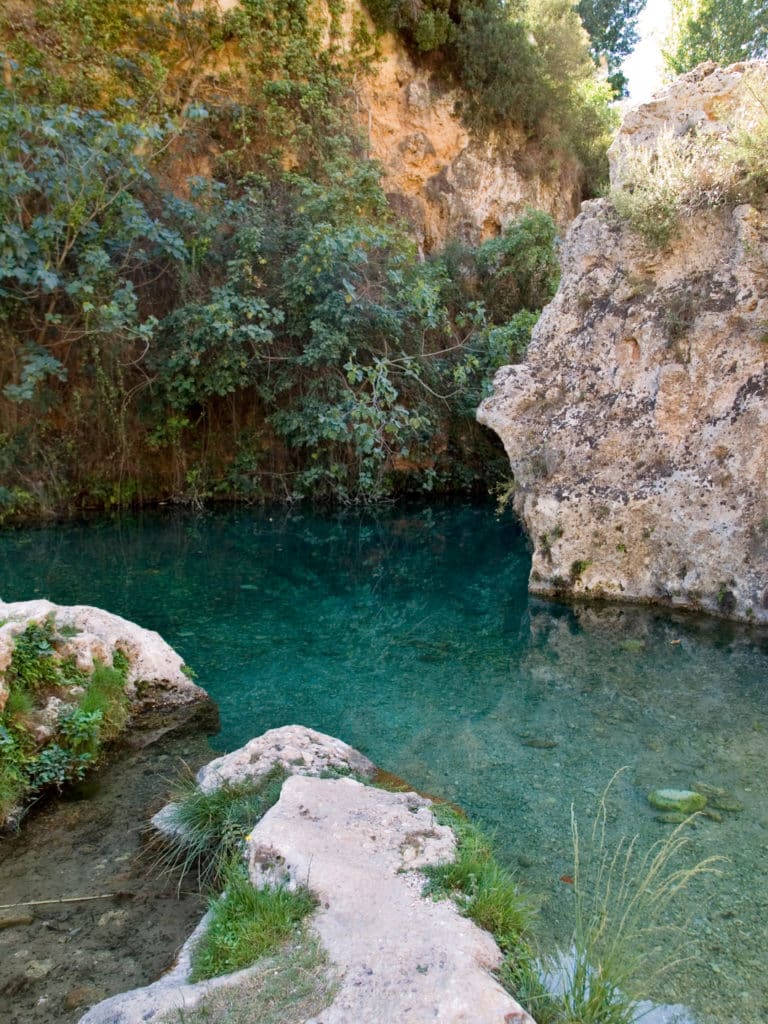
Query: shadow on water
x=410 y=635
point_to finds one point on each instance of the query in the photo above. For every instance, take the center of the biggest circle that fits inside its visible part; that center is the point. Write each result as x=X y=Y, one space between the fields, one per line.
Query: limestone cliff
x=636 y=428
x=442 y=181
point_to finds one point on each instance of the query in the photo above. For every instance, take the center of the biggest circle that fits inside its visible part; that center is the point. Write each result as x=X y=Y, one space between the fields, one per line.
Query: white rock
x=153 y=663
x=402 y=957
x=299 y=750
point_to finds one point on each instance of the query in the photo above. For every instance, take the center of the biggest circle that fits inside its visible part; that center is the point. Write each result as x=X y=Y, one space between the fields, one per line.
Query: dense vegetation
x=202 y=288
x=55 y=718
x=725 y=31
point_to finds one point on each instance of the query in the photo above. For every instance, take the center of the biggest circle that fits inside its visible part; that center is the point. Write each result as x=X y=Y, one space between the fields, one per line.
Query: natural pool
x=410 y=635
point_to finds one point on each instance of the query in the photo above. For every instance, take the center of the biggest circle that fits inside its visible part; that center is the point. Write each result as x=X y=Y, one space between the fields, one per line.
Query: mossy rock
x=685 y=801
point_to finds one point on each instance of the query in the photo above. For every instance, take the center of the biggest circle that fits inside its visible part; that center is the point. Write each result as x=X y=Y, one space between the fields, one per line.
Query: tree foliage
x=725 y=31
x=524 y=64
x=270 y=329
x=612 y=29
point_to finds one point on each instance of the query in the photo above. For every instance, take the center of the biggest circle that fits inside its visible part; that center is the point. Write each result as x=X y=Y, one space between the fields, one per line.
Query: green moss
x=685 y=801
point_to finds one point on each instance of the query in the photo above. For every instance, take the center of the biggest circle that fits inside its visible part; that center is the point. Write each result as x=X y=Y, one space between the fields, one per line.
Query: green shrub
x=37 y=671
x=33 y=666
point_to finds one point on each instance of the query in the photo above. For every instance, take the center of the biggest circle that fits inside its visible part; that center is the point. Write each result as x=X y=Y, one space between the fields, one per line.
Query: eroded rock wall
x=636 y=428
x=442 y=181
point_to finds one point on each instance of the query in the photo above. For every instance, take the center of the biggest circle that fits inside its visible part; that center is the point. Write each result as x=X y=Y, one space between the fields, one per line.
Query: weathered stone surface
x=299 y=750
x=166 y=996
x=441 y=180
x=636 y=428
x=402 y=958
x=155 y=676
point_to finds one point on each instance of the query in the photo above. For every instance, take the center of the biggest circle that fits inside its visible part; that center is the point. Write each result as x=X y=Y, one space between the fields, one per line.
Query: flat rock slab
x=403 y=958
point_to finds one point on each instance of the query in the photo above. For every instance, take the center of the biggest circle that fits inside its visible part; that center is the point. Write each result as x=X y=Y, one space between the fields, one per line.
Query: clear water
x=410 y=635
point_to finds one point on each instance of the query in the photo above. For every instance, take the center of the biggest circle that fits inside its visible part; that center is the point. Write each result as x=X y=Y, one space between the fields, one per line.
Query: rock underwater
x=399 y=957
x=636 y=427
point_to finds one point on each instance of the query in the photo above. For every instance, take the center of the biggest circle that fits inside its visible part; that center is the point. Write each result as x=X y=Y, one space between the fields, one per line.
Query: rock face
x=399 y=956
x=636 y=428
x=155 y=675
x=442 y=181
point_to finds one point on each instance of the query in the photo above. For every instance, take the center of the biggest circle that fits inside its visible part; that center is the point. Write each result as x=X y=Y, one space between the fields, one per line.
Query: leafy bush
x=85 y=722
x=273 y=332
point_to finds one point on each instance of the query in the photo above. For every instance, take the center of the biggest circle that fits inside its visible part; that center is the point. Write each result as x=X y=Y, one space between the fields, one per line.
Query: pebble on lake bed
x=684 y=801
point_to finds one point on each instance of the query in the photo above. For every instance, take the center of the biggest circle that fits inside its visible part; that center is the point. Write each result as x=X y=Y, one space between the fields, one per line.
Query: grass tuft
x=209 y=827
x=290 y=987
x=247 y=923
x=484 y=890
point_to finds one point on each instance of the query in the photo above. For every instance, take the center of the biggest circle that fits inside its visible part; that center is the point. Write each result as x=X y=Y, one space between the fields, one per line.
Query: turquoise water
x=410 y=635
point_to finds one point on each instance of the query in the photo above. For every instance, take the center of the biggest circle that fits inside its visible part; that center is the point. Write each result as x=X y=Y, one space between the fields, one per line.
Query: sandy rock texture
x=300 y=751
x=636 y=428
x=400 y=957
x=155 y=676
x=442 y=181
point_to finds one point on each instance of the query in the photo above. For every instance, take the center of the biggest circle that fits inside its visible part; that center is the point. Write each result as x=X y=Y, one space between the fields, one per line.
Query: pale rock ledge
x=399 y=957
x=156 y=678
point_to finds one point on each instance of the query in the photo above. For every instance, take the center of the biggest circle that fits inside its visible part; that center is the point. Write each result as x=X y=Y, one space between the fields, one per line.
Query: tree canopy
x=725 y=31
x=612 y=28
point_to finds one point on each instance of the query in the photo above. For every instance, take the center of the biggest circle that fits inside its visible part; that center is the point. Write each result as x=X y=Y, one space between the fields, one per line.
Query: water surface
x=410 y=635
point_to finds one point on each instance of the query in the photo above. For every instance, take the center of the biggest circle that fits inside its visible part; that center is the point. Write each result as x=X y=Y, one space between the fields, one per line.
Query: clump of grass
x=622 y=941
x=484 y=890
x=683 y=173
x=105 y=696
x=293 y=985
x=205 y=830
x=247 y=923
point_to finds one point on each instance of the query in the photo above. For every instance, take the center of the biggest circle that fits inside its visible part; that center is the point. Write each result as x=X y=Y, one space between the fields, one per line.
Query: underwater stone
x=685 y=801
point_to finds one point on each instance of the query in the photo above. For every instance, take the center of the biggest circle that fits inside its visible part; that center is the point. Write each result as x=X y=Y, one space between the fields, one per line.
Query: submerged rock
x=682 y=801
x=637 y=426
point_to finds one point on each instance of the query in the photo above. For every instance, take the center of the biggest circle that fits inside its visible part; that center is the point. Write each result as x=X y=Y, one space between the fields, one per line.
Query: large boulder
x=156 y=680
x=636 y=427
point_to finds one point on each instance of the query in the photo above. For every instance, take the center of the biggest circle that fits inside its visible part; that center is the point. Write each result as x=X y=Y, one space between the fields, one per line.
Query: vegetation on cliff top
x=203 y=290
x=725 y=31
